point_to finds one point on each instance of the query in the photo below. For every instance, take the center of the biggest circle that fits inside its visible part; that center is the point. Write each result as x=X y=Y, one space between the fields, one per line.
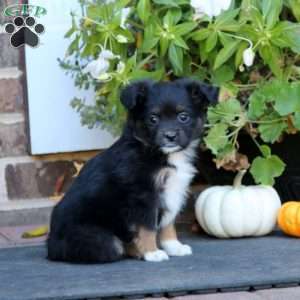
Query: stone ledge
x=24 y=212
x=11 y=118
x=10 y=73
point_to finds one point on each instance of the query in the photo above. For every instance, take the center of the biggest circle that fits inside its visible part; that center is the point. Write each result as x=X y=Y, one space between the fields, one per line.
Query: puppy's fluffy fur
x=139 y=182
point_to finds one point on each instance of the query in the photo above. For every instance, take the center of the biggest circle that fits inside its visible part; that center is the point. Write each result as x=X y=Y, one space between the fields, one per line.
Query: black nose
x=170 y=135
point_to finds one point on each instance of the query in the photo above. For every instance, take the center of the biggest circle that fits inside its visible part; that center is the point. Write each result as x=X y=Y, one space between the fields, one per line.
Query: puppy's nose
x=170 y=135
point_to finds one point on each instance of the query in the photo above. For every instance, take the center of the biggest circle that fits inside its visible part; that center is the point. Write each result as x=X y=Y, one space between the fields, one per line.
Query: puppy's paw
x=175 y=248
x=157 y=255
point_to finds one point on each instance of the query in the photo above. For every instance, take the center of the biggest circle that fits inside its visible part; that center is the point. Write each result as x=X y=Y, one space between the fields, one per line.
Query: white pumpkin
x=237 y=211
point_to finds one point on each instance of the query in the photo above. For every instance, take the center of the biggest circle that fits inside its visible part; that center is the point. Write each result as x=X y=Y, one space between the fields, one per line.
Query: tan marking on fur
x=168 y=233
x=144 y=242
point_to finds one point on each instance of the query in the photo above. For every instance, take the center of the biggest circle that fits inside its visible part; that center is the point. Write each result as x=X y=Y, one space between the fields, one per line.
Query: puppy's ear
x=200 y=92
x=135 y=93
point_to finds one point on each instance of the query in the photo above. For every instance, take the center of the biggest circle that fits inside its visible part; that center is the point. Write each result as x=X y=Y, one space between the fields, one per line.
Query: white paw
x=175 y=248
x=157 y=255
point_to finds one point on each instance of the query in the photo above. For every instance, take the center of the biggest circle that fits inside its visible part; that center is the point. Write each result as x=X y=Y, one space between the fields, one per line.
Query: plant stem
x=237 y=182
x=135 y=24
x=144 y=61
x=255 y=142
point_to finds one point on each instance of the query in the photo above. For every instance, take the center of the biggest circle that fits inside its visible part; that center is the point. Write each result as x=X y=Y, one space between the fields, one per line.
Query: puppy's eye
x=183 y=117
x=154 y=119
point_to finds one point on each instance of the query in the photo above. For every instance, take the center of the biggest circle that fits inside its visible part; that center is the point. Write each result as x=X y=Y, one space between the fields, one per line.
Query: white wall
x=54 y=125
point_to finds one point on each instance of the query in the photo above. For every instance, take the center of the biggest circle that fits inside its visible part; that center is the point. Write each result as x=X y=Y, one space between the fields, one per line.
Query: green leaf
x=271 y=130
x=201 y=34
x=142 y=74
x=287 y=35
x=265 y=150
x=287 y=99
x=216 y=138
x=222 y=75
x=170 y=3
x=296 y=120
x=164 y=44
x=238 y=60
x=180 y=42
x=176 y=58
x=271 y=11
x=184 y=28
x=264 y=170
x=225 y=111
x=150 y=39
x=295 y=7
x=272 y=57
x=226 y=18
x=73 y=29
x=171 y=17
x=211 y=42
x=144 y=10
x=149 y=44
x=225 y=54
x=257 y=105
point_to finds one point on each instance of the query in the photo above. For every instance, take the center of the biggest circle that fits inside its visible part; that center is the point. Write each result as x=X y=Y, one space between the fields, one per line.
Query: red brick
x=11 y=95
x=13 y=141
x=9 y=56
x=37 y=179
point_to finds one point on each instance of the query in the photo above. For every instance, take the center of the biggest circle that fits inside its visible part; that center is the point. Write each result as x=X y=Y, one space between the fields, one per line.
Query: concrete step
x=25 y=212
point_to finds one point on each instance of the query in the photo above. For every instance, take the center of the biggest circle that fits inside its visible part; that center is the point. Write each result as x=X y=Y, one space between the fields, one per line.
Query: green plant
x=251 y=49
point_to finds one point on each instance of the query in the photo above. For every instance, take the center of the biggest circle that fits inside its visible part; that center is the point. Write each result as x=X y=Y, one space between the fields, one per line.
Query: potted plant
x=249 y=48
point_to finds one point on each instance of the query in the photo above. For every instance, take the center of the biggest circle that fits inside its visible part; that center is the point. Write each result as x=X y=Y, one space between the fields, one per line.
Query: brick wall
x=26 y=182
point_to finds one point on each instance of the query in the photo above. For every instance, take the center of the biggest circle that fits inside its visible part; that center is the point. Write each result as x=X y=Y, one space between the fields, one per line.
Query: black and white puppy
x=127 y=196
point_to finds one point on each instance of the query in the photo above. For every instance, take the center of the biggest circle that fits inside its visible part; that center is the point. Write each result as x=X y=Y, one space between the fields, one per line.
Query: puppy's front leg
x=170 y=243
x=144 y=246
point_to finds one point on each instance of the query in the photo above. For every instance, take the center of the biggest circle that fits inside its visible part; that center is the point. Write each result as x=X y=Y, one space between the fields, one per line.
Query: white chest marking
x=176 y=181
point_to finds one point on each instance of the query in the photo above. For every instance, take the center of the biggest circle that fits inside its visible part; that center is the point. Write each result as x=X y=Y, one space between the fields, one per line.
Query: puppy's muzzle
x=170 y=137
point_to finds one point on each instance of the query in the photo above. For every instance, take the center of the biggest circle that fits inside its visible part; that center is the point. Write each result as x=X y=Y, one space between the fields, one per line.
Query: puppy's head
x=168 y=115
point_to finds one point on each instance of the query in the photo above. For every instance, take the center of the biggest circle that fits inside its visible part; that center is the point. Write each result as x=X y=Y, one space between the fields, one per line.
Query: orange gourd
x=289 y=218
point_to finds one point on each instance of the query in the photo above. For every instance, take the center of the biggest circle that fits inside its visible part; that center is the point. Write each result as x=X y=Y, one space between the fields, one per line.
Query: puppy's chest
x=173 y=181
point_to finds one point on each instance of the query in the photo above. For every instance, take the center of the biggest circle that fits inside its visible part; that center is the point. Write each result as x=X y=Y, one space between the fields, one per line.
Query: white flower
x=107 y=54
x=101 y=65
x=124 y=15
x=121 y=39
x=97 y=67
x=109 y=1
x=248 y=57
x=105 y=77
x=212 y=8
x=120 y=67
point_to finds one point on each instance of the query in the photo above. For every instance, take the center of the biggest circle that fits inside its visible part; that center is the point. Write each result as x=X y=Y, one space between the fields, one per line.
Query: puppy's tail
x=85 y=244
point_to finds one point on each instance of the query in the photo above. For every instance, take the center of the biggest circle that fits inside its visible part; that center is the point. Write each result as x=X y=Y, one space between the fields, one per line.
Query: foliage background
x=163 y=40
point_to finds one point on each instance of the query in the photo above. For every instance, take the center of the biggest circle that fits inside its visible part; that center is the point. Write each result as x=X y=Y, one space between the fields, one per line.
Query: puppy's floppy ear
x=135 y=93
x=200 y=92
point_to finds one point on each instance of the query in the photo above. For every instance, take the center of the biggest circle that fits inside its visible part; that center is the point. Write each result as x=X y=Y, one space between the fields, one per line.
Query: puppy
x=127 y=196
